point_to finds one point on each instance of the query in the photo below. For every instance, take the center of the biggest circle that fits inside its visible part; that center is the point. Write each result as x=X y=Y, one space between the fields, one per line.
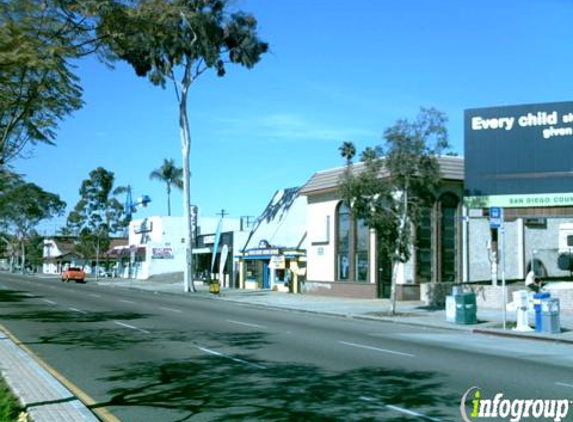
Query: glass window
x=424 y=261
x=448 y=238
x=343 y=258
x=353 y=239
x=361 y=260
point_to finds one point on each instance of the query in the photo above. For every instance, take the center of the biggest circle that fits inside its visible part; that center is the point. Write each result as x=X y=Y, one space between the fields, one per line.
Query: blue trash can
x=537 y=298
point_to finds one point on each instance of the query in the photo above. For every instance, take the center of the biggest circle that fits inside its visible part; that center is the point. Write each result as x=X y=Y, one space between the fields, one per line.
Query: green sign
x=520 y=201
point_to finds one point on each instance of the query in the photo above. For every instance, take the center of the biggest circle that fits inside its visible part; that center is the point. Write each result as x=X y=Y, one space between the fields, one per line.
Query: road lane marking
x=94 y=295
x=562 y=384
x=400 y=409
x=377 y=349
x=79 y=311
x=244 y=362
x=28 y=294
x=171 y=309
x=49 y=301
x=131 y=327
x=246 y=324
x=127 y=301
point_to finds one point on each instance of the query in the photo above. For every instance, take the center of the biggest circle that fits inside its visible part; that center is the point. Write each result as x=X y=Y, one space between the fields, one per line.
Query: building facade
x=343 y=255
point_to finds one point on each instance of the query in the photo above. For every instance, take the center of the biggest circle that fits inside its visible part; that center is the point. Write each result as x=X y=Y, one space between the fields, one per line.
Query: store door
x=266 y=275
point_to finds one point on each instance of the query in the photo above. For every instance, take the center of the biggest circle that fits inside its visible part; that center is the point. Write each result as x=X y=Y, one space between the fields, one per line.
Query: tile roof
x=327 y=180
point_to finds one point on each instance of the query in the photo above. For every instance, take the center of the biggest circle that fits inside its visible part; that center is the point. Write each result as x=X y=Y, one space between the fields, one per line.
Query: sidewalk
x=42 y=396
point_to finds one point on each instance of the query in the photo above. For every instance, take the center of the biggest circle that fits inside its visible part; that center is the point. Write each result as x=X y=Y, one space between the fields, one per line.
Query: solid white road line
x=246 y=324
x=49 y=301
x=170 y=309
x=94 y=295
x=377 y=349
x=244 y=362
x=562 y=384
x=79 y=311
x=127 y=301
x=122 y=324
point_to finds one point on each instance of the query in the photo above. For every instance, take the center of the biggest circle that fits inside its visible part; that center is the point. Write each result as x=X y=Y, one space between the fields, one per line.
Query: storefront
x=271 y=268
x=274 y=255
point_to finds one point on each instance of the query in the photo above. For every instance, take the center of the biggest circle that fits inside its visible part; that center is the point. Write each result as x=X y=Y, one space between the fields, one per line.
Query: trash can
x=537 y=299
x=466 y=308
x=550 y=316
x=214 y=287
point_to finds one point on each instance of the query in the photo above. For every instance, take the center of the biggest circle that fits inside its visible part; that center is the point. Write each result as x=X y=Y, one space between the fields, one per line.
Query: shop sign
x=278 y=262
x=262 y=252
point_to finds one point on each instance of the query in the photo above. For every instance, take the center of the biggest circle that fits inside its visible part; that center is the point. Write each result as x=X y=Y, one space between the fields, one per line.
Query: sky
x=337 y=70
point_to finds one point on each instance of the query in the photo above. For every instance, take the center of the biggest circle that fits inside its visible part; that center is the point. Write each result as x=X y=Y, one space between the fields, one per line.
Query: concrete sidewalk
x=43 y=398
x=411 y=313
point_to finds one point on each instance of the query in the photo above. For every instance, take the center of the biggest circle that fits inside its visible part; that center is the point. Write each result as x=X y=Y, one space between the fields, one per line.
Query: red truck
x=74 y=273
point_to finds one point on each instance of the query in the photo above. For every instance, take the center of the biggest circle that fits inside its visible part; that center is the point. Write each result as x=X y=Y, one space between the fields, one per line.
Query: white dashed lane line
x=246 y=324
x=563 y=384
x=51 y=302
x=127 y=301
x=377 y=349
x=78 y=310
x=401 y=410
x=171 y=309
x=244 y=362
x=123 y=324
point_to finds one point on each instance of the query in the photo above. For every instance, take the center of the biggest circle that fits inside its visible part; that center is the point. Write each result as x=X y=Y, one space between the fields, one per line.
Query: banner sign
x=519 y=156
x=161 y=253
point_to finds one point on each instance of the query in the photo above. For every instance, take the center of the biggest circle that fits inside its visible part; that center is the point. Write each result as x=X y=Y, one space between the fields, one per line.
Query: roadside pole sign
x=495 y=217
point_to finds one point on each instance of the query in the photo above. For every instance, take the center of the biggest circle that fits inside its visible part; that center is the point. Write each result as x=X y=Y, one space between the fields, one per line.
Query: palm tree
x=171 y=175
x=347 y=150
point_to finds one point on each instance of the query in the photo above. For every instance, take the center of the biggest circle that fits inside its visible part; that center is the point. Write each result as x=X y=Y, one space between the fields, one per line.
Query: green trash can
x=466 y=308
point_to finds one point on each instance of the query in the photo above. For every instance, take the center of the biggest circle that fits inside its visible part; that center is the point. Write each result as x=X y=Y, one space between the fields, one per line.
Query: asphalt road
x=154 y=357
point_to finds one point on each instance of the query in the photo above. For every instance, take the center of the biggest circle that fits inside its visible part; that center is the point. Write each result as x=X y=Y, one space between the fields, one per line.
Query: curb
x=456 y=328
x=493 y=332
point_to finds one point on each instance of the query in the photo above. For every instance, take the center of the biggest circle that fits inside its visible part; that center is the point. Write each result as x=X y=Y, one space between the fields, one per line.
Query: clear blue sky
x=338 y=70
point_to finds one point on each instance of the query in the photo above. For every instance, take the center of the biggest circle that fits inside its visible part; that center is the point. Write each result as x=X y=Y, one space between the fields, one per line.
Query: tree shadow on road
x=115 y=339
x=218 y=389
x=15 y=296
x=69 y=316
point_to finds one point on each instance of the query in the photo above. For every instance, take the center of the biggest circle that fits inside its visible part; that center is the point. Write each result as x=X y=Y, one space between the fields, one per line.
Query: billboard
x=519 y=156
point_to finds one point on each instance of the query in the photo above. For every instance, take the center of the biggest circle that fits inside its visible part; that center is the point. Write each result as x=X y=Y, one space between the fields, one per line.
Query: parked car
x=74 y=273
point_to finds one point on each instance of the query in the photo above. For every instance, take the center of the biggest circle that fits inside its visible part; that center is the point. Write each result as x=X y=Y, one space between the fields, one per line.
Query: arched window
x=424 y=247
x=343 y=243
x=352 y=246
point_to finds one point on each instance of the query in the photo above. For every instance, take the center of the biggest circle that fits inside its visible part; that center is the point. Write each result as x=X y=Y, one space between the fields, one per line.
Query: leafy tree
x=97 y=215
x=397 y=182
x=178 y=41
x=34 y=249
x=37 y=86
x=171 y=175
x=22 y=207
